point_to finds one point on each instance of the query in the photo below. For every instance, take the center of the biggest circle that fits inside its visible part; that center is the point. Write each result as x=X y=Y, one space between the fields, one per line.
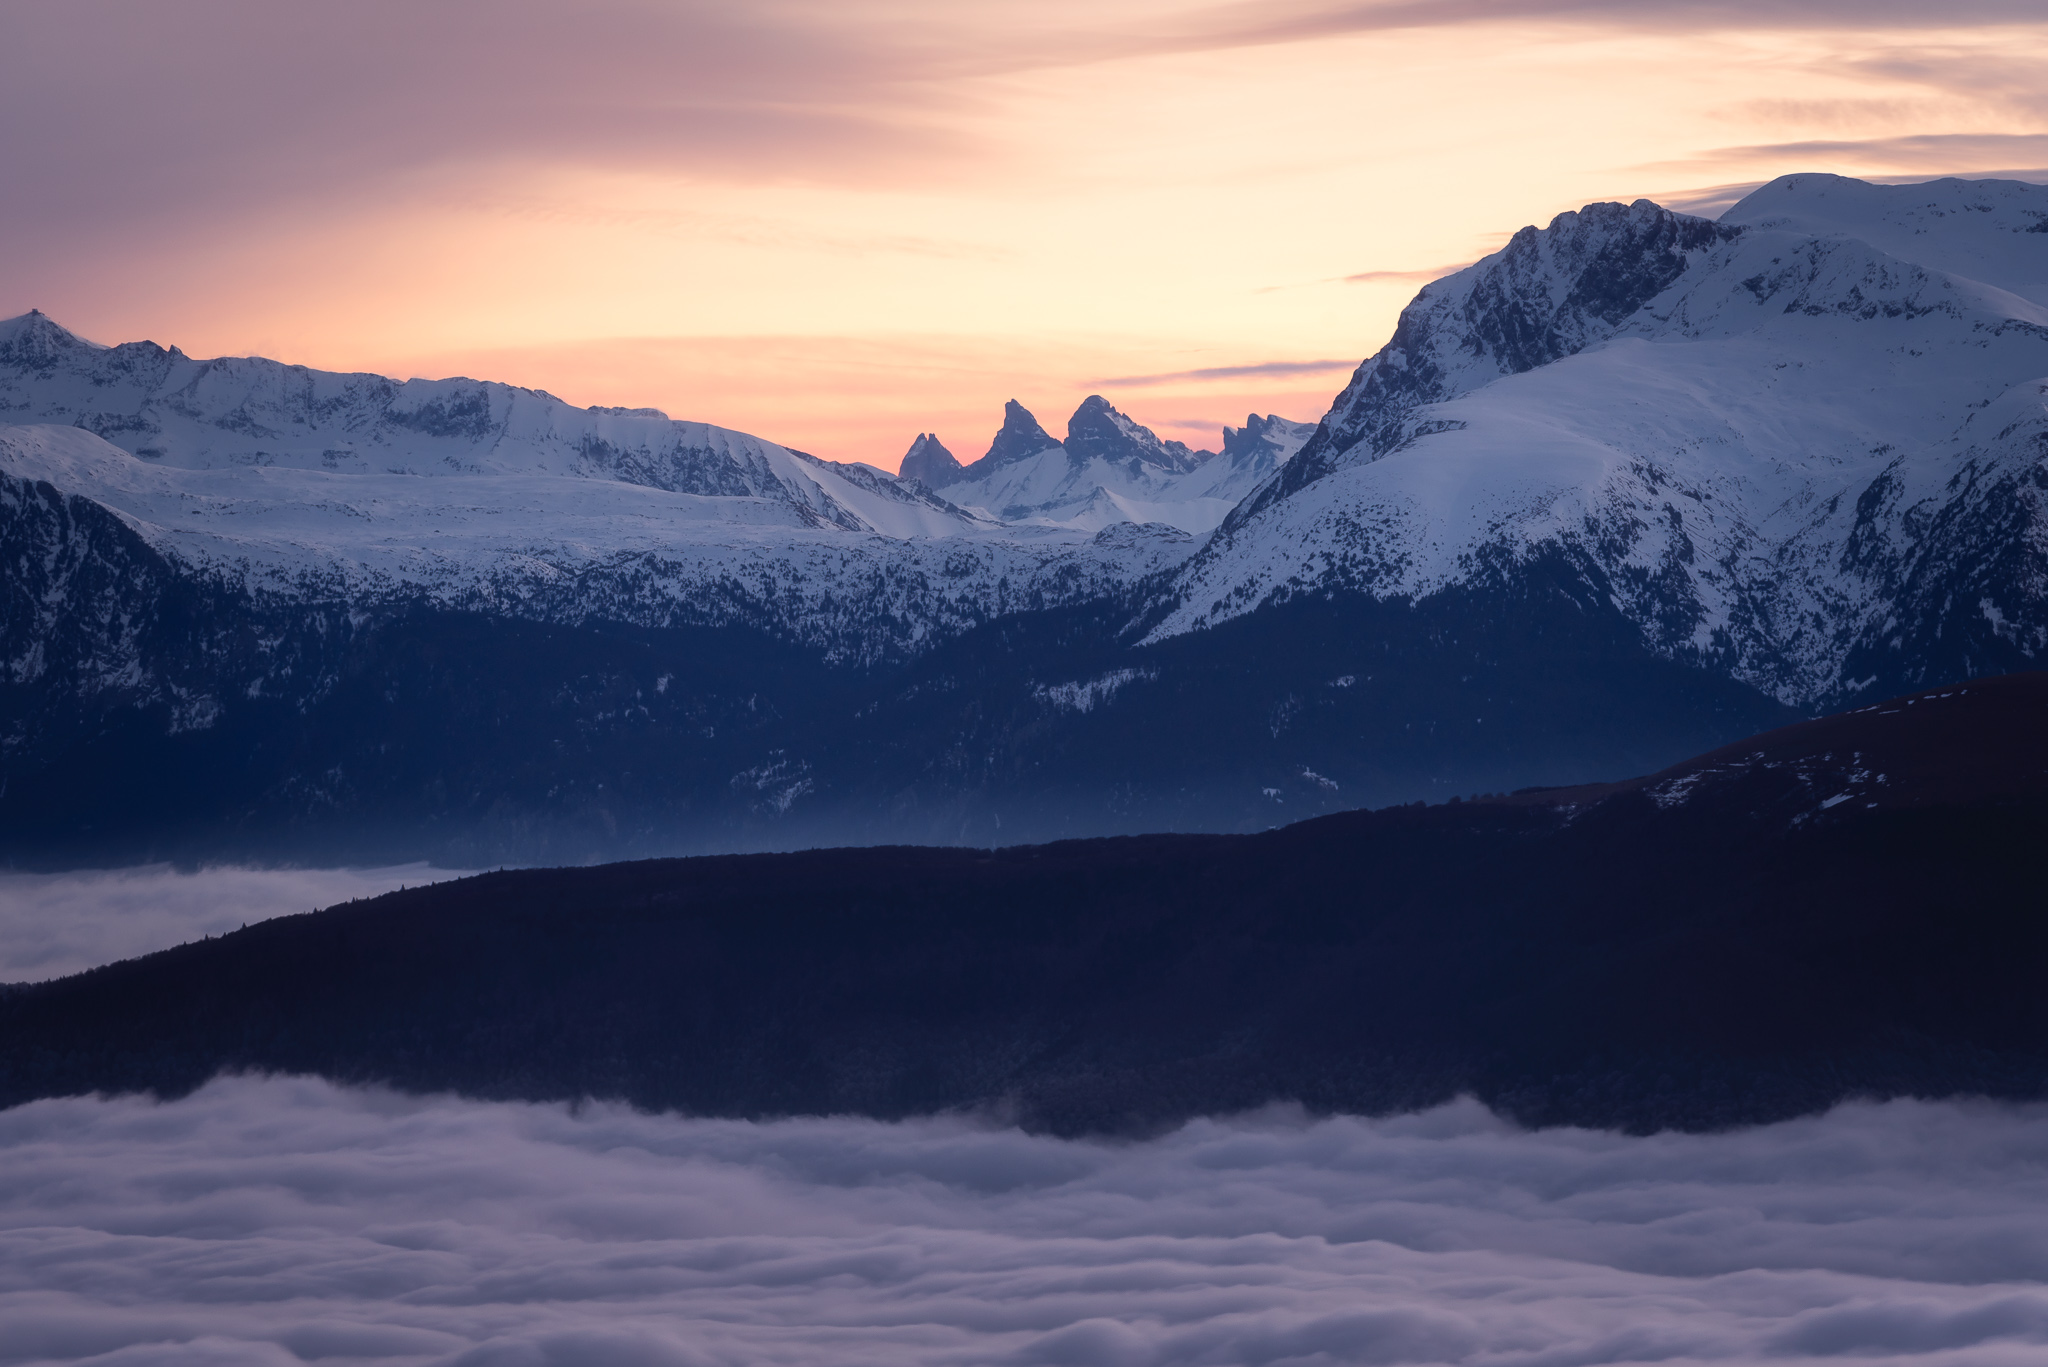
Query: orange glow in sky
x=840 y=225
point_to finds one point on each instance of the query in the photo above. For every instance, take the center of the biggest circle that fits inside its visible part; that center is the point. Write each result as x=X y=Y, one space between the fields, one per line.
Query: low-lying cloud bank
x=280 y=1221
x=52 y=924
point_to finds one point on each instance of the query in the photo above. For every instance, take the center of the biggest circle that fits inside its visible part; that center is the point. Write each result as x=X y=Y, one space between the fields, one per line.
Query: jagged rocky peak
x=1019 y=438
x=1269 y=438
x=930 y=463
x=1097 y=429
x=1553 y=290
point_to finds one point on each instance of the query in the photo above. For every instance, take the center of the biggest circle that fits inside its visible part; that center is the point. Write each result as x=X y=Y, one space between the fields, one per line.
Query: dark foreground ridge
x=1850 y=906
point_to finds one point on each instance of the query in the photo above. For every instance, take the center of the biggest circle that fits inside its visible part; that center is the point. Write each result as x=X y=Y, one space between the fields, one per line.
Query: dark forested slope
x=1846 y=906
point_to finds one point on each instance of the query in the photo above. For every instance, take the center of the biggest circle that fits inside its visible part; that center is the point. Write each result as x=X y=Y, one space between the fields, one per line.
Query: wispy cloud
x=1920 y=151
x=1421 y=277
x=1999 y=78
x=689 y=226
x=1261 y=370
x=247 y=103
x=1708 y=201
x=1254 y=23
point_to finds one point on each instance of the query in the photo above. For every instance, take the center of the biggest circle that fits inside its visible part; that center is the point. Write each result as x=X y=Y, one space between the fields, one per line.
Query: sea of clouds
x=52 y=924
x=277 y=1221
x=283 y=1220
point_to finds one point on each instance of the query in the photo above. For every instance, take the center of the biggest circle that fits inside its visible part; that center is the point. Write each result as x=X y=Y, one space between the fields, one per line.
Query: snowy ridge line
x=250 y=414
x=577 y=549
x=296 y=485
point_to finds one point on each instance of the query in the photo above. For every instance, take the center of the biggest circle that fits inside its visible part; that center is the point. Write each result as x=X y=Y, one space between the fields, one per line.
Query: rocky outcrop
x=929 y=462
x=1019 y=438
x=1097 y=431
x=1264 y=444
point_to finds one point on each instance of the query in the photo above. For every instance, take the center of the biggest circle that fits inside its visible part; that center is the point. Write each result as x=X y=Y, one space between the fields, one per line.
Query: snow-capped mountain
x=235 y=413
x=313 y=485
x=1630 y=488
x=1111 y=469
x=1802 y=445
x=310 y=483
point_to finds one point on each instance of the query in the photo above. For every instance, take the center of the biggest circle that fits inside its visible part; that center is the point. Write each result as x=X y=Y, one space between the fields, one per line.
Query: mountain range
x=1636 y=485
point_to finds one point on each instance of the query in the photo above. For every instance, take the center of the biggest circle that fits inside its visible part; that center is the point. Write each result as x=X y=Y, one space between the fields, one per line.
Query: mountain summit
x=1098 y=431
x=34 y=341
x=1019 y=438
x=929 y=462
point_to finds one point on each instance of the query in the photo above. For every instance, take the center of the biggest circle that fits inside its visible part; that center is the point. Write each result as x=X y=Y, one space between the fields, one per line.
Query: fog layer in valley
x=276 y=1221
x=52 y=924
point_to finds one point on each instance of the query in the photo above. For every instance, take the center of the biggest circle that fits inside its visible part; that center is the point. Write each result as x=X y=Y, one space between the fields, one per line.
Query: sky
x=274 y=1222
x=838 y=223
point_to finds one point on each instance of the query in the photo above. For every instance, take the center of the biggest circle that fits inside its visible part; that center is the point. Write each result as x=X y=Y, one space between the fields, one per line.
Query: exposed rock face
x=1098 y=431
x=1264 y=444
x=929 y=462
x=1019 y=438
